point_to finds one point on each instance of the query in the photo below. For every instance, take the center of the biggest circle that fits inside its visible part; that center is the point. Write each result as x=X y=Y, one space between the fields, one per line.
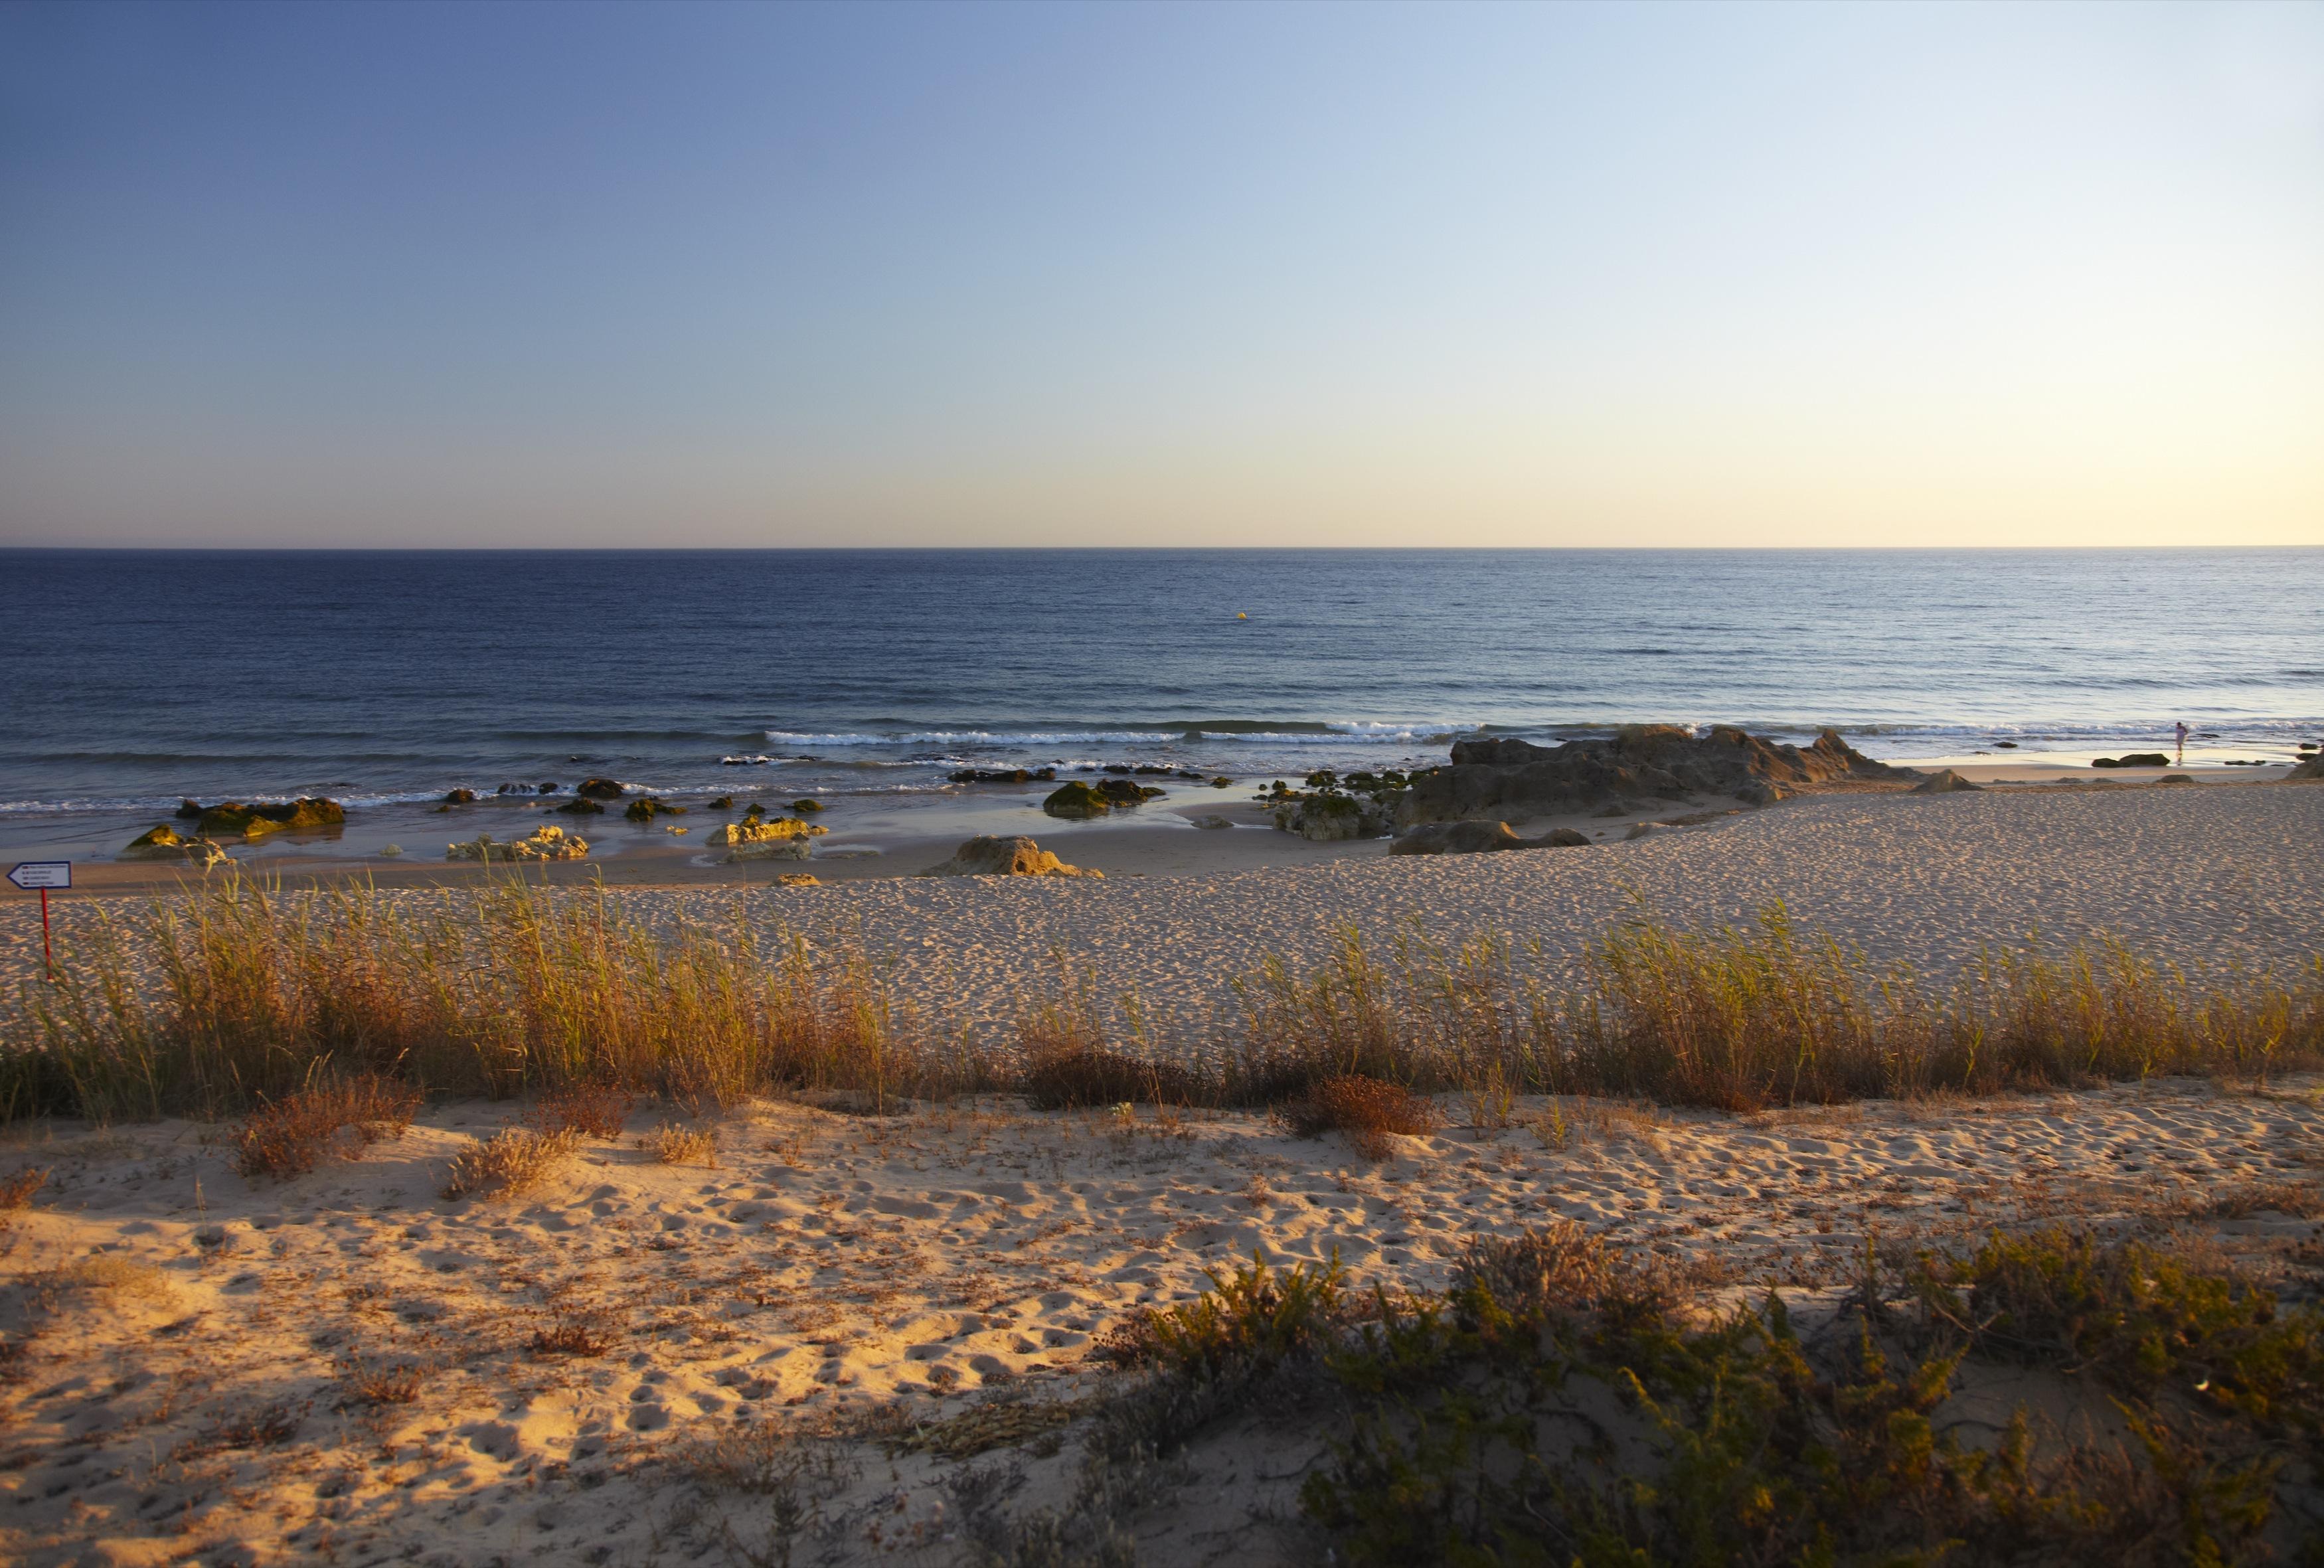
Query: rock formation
x=1945 y=783
x=165 y=843
x=257 y=821
x=546 y=842
x=1077 y=802
x=2134 y=760
x=1517 y=779
x=987 y=856
x=599 y=788
x=1329 y=818
x=1475 y=838
x=765 y=838
x=2313 y=768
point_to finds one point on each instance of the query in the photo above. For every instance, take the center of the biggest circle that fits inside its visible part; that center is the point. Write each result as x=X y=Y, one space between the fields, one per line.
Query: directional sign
x=43 y=874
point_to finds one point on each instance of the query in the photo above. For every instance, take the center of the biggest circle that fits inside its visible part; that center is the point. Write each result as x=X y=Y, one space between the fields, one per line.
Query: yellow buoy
x=1240 y=616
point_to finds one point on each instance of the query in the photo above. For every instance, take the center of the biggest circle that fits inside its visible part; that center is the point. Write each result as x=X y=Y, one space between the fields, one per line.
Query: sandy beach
x=346 y=1365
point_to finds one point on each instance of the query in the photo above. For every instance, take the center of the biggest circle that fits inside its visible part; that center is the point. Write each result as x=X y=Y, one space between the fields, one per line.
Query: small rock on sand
x=988 y=856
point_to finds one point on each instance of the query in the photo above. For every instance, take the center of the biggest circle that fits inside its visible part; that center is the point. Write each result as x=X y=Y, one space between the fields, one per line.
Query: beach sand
x=197 y=1386
x=207 y=1352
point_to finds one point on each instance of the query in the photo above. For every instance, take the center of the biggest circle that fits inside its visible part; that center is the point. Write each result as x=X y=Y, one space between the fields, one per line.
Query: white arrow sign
x=43 y=874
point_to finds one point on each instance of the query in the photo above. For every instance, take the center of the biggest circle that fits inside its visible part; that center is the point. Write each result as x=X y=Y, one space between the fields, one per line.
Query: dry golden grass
x=513 y=1160
x=230 y=997
x=672 y=1145
x=331 y=1120
x=1365 y=1109
x=595 y=1109
x=16 y=1190
x=396 y=1384
x=568 y=1337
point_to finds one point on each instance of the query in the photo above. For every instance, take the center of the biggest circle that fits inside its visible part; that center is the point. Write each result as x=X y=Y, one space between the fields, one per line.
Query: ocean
x=136 y=678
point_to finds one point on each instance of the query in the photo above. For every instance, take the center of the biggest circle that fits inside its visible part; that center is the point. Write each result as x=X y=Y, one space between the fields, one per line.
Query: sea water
x=133 y=678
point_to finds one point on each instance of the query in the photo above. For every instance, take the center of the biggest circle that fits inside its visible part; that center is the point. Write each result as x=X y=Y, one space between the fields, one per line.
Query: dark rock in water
x=1116 y=768
x=2134 y=760
x=549 y=787
x=2007 y=745
x=723 y=803
x=987 y=856
x=1221 y=782
x=646 y=807
x=1473 y=838
x=1003 y=775
x=1149 y=768
x=459 y=797
x=582 y=805
x=1506 y=777
x=600 y=788
x=1945 y=783
x=1076 y=802
x=805 y=804
x=189 y=809
x=1123 y=792
x=1327 y=818
x=256 y=821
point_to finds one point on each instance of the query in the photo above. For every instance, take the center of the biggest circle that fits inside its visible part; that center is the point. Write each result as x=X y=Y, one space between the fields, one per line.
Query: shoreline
x=2204 y=878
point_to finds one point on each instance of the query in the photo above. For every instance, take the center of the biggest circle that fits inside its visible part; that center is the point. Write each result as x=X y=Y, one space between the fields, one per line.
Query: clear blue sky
x=990 y=275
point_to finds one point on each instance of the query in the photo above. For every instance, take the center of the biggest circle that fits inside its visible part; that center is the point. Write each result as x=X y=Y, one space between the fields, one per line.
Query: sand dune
x=202 y=1345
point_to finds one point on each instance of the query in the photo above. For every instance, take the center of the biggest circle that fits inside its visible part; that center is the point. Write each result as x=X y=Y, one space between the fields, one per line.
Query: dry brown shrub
x=672 y=1145
x=1367 y=1109
x=391 y=1385
x=2286 y=1198
x=594 y=1108
x=16 y=1190
x=514 y=1159
x=1067 y=1080
x=336 y=1118
x=569 y=1336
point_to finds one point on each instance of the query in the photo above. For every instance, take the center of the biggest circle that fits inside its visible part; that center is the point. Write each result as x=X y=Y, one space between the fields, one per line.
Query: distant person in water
x=2182 y=743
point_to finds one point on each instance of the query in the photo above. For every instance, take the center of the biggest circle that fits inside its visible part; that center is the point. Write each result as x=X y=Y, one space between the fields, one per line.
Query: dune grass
x=236 y=996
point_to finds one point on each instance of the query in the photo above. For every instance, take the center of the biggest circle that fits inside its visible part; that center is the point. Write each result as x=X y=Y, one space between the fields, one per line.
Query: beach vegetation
x=234 y=996
x=328 y=1118
x=1366 y=1110
x=589 y=1106
x=671 y=1144
x=512 y=1161
x=2046 y=1397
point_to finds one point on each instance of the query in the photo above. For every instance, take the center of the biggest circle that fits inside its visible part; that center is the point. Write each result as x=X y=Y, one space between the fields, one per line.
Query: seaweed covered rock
x=1123 y=792
x=189 y=809
x=466 y=797
x=1076 y=802
x=1477 y=838
x=646 y=807
x=1328 y=818
x=272 y=817
x=1003 y=775
x=582 y=805
x=1514 y=779
x=545 y=843
x=165 y=843
x=600 y=788
x=988 y=856
x=804 y=806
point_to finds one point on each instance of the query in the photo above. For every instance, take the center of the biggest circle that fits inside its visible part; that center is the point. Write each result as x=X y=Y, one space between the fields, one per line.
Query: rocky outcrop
x=1477 y=838
x=1078 y=802
x=545 y=843
x=1945 y=783
x=2309 y=771
x=2134 y=760
x=465 y=797
x=1003 y=775
x=646 y=807
x=1517 y=779
x=765 y=830
x=275 y=816
x=1329 y=818
x=165 y=843
x=599 y=788
x=582 y=805
x=987 y=856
